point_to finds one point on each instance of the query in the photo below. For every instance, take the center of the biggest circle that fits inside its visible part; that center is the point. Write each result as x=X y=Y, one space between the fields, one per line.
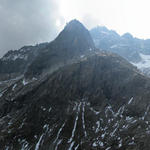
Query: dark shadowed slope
x=32 y=61
x=100 y=102
x=71 y=44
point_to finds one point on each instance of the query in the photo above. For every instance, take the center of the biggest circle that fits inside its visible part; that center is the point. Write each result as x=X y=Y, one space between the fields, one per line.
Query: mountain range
x=135 y=50
x=70 y=95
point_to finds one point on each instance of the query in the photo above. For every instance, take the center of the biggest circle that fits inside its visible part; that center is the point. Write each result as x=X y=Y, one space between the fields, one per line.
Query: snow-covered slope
x=144 y=64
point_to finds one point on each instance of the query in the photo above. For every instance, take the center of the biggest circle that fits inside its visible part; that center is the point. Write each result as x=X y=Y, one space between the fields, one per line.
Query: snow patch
x=71 y=145
x=90 y=49
x=13 y=57
x=98 y=126
x=25 y=145
x=101 y=144
x=114 y=46
x=58 y=143
x=131 y=143
x=130 y=101
x=75 y=124
x=83 y=121
x=108 y=148
x=82 y=56
x=146 y=112
x=24 y=82
x=96 y=112
x=38 y=143
x=76 y=147
x=59 y=132
x=13 y=88
x=94 y=144
x=144 y=63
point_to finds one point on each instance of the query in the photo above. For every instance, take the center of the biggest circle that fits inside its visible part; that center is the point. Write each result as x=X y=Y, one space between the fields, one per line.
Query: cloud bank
x=25 y=22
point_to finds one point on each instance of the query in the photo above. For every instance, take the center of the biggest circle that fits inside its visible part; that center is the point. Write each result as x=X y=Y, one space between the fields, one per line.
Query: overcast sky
x=24 y=22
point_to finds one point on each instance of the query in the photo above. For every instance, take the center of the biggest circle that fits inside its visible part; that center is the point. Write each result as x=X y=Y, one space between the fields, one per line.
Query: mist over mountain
x=69 y=95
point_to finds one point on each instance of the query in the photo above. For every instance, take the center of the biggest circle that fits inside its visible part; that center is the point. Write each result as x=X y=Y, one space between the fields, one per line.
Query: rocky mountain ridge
x=96 y=100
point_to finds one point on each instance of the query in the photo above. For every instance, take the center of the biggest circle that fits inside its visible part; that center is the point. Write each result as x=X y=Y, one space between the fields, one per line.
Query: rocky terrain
x=71 y=44
x=34 y=61
x=15 y=63
x=96 y=100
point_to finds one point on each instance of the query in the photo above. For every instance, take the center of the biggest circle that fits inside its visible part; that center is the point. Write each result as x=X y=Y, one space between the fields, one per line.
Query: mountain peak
x=74 y=24
x=76 y=35
x=73 y=42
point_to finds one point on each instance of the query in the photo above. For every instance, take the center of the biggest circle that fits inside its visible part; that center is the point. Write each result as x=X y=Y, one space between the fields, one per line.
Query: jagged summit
x=76 y=35
x=126 y=45
x=74 y=24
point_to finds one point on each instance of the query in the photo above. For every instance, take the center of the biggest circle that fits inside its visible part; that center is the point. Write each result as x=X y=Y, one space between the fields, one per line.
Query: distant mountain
x=126 y=45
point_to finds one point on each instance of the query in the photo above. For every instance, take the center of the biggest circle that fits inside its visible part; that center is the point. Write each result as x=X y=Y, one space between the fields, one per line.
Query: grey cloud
x=24 y=22
x=90 y=21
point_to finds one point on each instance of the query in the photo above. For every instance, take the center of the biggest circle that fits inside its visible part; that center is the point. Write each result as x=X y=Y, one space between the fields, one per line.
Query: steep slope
x=99 y=102
x=32 y=61
x=14 y=64
x=144 y=64
x=71 y=44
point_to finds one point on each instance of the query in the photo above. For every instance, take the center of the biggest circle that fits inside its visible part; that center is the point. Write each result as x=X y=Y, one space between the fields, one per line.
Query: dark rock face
x=99 y=102
x=74 y=41
x=87 y=100
x=32 y=61
x=15 y=63
x=75 y=36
